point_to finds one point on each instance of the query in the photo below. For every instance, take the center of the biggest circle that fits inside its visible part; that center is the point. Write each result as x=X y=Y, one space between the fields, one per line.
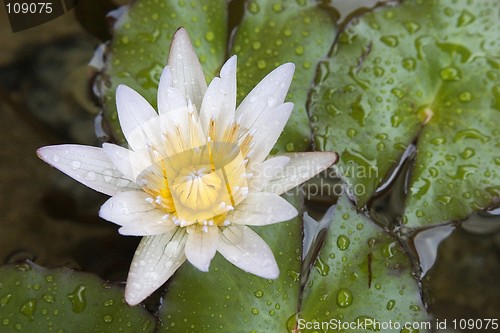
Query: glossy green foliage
x=36 y=299
x=227 y=299
x=424 y=72
x=141 y=43
x=361 y=275
x=275 y=32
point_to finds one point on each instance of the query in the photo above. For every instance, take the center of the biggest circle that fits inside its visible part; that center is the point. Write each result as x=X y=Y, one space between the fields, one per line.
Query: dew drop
x=259 y=293
x=91 y=175
x=321 y=267
x=395 y=120
x=450 y=74
x=108 y=318
x=277 y=7
x=108 y=302
x=409 y=64
x=343 y=242
x=77 y=298
x=412 y=27
x=391 y=41
x=210 y=36
x=397 y=92
x=344 y=298
x=414 y=307
x=444 y=199
x=255 y=311
x=256 y=45
x=48 y=298
x=378 y=71
x=465 y=96
x=470 y=134
x=467 y=153
x=107 y=175
x=75 y=164
x=28 y=308
x=465 y=18
x=387 y=249
x=253 y=7
x=390 y=304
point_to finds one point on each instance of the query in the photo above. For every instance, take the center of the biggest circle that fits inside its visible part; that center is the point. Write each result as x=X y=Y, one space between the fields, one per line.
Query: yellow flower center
x=199 y=185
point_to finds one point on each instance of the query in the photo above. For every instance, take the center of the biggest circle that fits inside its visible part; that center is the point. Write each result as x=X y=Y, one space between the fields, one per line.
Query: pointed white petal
x=263 y=172
x=183 y=131
x=120 y=157
x=187 y=74
x=219 y=102
x=269 y=93
x=133 y=112
x=262 y=209
x=301 y=167
x=155 y=260
x=169 y=98
x=201 y=247
x=242 y=247
x=267 y=129
x=88 y=165
x=136 y=215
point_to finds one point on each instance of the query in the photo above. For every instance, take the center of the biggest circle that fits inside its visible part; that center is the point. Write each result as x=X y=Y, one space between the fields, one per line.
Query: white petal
x=201 y=247
x=169 y=98
x=120 y=157
x=269 y=93
x=88 y=165
x=187 y=74
x=155 y=260
x=219 y=102
x=262 y=209
x=263 y=172
x=136 y=215
x=133 y=112
x=301 y=167
x=267 y=129
x=242 y=247
x=183 y=131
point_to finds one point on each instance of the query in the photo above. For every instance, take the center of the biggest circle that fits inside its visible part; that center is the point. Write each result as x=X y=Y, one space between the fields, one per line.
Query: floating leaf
x=36 y=299
x=226 y=299
x=361 y=275
x=141 y=43
x=426 y=71
x=275 y=32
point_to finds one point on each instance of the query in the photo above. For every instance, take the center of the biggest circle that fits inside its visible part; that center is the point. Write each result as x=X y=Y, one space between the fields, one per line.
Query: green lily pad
x=36 y=299
x=424 y=72
x=274 y=32
x=227 y=299
x=361 y=275
x=141 y=43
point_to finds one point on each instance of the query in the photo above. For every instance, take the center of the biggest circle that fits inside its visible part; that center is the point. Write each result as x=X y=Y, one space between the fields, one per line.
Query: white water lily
x=195 y=175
